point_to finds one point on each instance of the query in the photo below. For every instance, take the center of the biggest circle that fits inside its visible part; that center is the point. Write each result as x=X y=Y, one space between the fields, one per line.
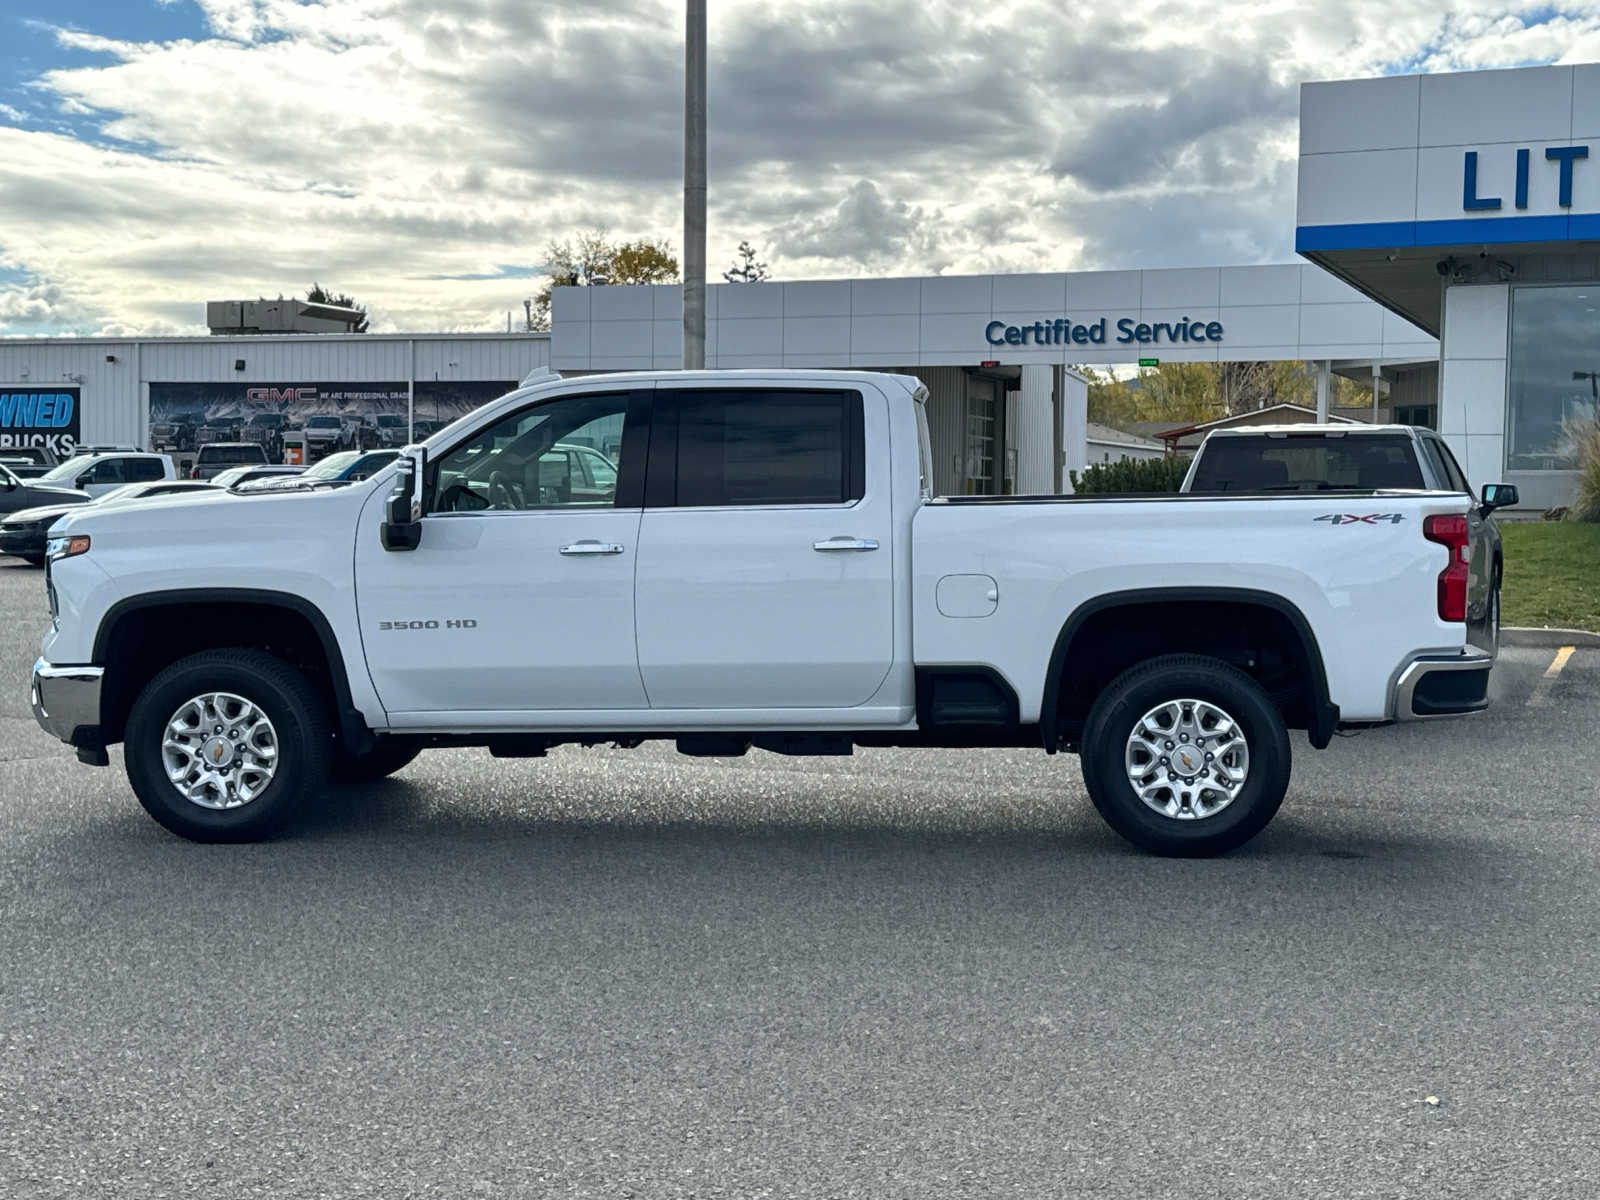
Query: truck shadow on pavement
x=396 y=812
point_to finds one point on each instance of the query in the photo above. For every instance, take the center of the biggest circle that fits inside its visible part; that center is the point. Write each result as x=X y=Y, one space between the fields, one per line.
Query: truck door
x=766 y=566
x=520 y=597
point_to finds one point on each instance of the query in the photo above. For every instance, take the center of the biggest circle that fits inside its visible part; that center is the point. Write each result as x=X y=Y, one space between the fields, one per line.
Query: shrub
x=1586 y=505
x=1132 y=475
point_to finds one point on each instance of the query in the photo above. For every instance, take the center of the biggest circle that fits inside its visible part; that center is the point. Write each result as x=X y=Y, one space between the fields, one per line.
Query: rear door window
x=1307 y=463
x=739 y=447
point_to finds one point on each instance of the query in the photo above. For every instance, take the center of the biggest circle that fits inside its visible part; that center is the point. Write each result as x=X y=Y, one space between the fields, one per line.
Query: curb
x=1511 y=635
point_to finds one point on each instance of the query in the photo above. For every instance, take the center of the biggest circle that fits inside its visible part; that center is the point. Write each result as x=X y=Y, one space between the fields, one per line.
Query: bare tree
x=746 y=269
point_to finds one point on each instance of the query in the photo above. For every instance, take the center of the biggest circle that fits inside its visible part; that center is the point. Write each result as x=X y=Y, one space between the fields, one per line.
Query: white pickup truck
x=759 y=563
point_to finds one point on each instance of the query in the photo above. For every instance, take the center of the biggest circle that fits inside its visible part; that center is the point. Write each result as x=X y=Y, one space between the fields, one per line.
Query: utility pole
x=694 y=188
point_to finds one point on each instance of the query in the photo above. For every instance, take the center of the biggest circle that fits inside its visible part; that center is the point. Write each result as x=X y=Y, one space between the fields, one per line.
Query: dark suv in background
x=177 y=432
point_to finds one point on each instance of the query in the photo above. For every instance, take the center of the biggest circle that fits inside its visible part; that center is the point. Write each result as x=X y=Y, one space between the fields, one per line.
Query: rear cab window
x=1307 y=463
x=215 y=453
x=142 y=470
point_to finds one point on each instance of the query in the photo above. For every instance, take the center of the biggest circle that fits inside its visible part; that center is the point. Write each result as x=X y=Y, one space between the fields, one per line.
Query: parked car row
x=25 y=533
x=28 y=507
x=347 y=466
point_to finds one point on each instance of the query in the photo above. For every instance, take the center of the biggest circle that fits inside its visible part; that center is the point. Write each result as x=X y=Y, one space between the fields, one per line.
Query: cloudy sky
x=422 y=153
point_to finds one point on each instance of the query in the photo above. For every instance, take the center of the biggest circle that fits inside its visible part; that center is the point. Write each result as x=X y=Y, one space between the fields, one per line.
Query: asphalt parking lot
x=900 y=974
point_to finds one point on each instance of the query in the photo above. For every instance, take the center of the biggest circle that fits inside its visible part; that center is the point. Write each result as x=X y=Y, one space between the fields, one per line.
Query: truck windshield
x=1307 y=463
x=69 y=470
x=332 y=466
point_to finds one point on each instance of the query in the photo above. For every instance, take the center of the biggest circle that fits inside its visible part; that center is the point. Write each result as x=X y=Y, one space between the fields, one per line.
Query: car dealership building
x=1449 y=233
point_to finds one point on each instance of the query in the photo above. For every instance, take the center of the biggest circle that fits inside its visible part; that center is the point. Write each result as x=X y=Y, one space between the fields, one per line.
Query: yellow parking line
x=1541 y=690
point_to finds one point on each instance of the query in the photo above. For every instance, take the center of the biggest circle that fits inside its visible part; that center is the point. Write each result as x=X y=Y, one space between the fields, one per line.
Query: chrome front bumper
x=1443 y=685
x=66 y=702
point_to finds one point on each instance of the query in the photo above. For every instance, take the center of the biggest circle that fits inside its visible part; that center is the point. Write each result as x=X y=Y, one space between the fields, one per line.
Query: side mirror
x=402 y=514
x=1498 y=495
x=82 y=481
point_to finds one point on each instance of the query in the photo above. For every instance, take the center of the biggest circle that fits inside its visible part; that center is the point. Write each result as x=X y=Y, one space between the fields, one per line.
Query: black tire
x=1185 y=677
x=33 y=560
x=384 y=760
x=299 y=718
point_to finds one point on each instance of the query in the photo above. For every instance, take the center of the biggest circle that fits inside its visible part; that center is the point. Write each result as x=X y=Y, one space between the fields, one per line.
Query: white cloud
x=379 y=145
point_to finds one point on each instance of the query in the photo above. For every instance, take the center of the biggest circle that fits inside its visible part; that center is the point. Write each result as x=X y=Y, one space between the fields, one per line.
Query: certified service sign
x=39 y=417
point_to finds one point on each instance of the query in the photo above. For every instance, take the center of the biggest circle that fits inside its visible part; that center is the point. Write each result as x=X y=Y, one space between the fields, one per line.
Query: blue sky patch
x=501 y=271
x=28 y=33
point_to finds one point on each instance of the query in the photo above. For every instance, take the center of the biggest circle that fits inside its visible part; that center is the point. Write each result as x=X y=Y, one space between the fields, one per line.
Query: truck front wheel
x=1185 y=755
x=226 y=745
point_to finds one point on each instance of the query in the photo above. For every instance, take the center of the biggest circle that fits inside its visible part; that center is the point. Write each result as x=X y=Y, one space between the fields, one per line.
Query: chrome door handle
x=589 y=546
x=835 y=544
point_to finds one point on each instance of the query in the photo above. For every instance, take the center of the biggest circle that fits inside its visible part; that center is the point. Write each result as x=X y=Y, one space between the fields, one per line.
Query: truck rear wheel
x=226 y=745
x=1185 y=755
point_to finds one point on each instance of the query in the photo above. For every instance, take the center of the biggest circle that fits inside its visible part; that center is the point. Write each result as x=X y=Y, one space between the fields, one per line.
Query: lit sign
x=1062 y=332
x=1562 y=156
x=39 y=417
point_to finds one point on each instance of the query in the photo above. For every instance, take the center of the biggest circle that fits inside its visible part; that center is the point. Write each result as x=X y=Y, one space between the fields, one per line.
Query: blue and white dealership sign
x=1063 y=331
x=40 y=417
x=1481 y=158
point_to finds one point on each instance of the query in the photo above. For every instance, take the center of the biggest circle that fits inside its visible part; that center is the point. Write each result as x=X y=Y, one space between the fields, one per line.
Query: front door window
x=533 y=459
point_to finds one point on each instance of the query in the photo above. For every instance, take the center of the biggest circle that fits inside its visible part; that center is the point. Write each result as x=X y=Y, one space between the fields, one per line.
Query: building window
x=1554 y=374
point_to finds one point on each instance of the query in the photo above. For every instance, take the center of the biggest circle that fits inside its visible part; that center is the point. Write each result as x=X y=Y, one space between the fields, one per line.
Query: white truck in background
x=766 y=568
x=1348 y=457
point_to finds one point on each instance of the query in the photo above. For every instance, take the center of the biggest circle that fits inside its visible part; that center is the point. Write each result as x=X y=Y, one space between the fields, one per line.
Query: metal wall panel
x=113 y=395
x=1028 y=418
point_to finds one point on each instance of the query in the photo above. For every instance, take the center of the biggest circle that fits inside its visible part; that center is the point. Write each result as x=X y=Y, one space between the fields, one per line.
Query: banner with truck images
x=321 y=418
x=45 y=417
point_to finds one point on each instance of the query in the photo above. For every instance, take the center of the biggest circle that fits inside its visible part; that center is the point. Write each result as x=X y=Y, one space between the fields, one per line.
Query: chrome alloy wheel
x=1187 y=759
x=220 y=750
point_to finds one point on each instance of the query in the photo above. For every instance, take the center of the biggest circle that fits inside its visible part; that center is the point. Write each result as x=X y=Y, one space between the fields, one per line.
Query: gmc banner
x=321 y=417
x=40 y=417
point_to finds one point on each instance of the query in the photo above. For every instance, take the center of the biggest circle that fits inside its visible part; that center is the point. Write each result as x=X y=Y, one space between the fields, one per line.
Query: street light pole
x=694 y=188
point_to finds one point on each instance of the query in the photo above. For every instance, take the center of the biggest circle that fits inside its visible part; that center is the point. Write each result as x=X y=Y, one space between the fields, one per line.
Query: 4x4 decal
x=1363 y=519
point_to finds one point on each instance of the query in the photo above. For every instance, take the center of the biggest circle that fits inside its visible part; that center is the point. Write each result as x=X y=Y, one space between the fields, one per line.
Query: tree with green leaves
x=746 y=268
x=593 y=260
x=317 y=294
x=1176 y=392
x=1186 y=393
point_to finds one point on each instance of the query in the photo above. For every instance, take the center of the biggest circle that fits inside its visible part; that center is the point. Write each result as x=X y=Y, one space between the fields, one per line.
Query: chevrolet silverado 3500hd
x=756 y=561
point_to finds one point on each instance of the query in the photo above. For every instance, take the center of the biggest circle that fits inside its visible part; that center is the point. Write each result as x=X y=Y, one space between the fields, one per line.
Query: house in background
x=1107 y=445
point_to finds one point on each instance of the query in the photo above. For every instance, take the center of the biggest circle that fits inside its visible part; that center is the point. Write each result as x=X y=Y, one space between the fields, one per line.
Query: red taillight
x=1451 y=532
